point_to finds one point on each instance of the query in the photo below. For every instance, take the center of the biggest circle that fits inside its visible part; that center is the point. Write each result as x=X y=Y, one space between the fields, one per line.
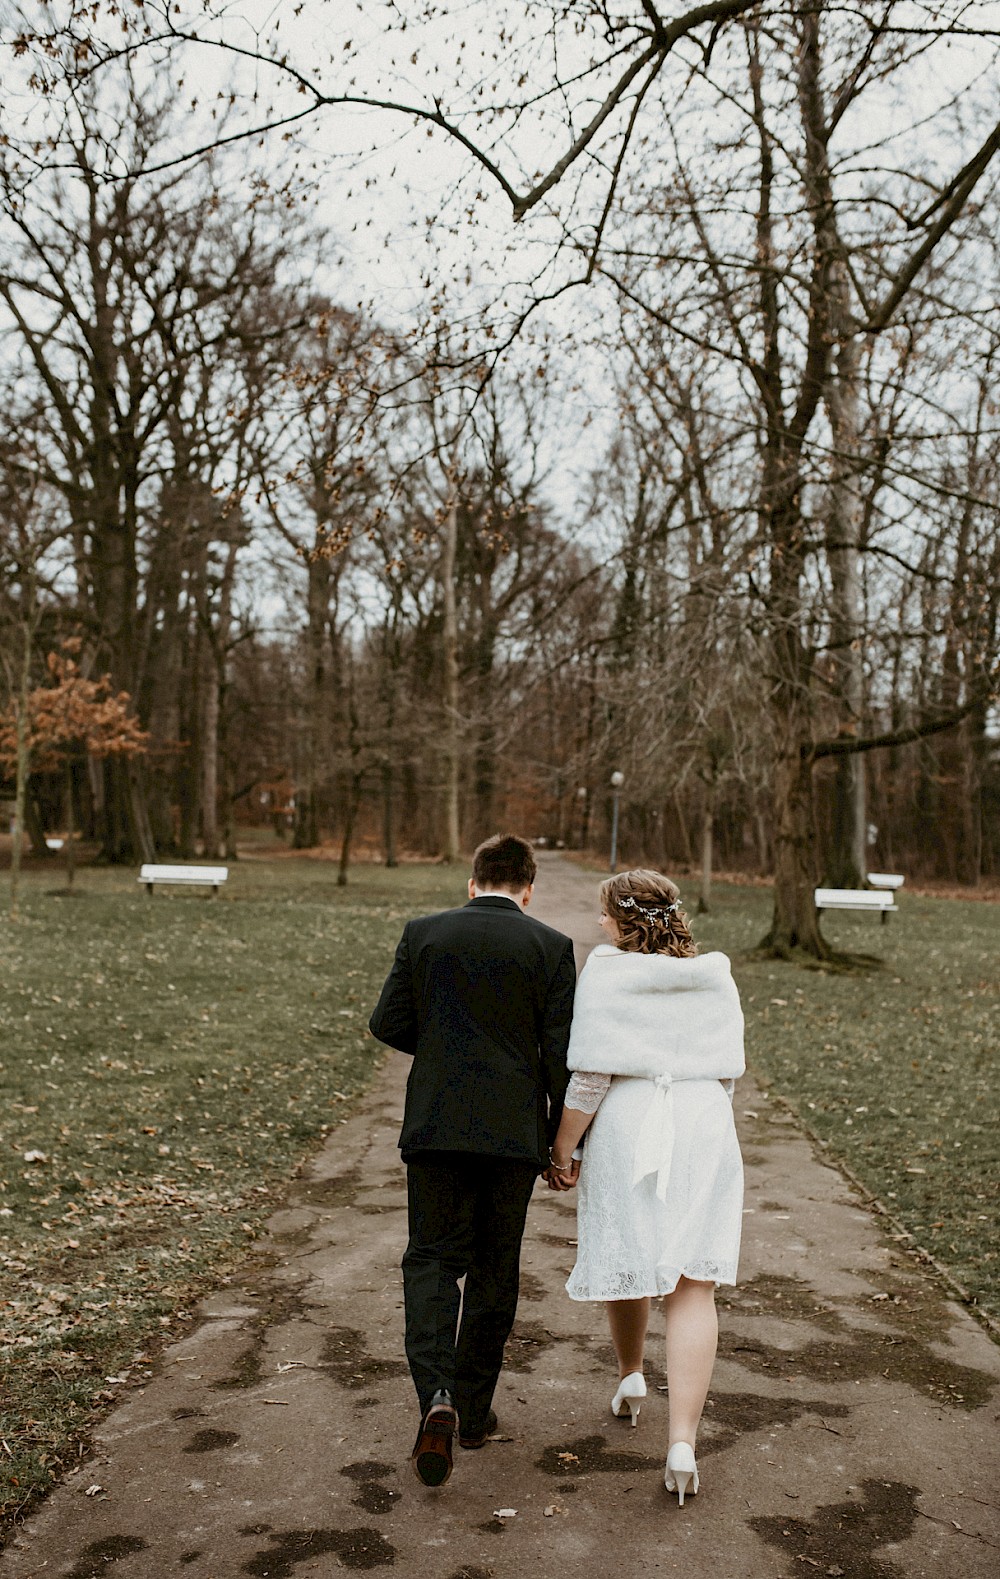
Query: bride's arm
x=585 y=1094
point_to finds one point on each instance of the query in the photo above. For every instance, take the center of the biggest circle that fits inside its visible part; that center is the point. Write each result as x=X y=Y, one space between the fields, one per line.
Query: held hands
x=561 y=1176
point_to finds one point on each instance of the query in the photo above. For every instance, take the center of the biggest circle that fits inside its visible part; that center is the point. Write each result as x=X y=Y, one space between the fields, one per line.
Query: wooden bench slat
x=876 y=902
x=183 y=874
x=186 y=876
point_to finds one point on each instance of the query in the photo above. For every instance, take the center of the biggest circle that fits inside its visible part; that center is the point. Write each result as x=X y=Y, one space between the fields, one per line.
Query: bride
x=656 y=1043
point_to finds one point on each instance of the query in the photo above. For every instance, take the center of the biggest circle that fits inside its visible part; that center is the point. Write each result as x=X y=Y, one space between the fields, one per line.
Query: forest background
x=422 y=413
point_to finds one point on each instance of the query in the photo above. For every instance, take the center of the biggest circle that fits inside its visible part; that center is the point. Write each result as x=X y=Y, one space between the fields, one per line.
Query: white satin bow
x=654 y=1145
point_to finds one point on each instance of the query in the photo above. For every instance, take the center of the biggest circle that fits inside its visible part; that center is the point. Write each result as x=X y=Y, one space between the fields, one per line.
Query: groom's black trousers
x=466 y=1219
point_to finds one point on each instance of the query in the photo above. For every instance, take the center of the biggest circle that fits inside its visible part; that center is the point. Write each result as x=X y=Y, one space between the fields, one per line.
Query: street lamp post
x=617 y=780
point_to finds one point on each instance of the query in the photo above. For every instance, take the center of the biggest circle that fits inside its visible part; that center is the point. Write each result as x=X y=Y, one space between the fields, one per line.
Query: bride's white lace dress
x=631 y=1242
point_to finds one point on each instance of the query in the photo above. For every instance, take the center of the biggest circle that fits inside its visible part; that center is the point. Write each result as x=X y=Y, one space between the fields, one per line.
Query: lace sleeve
x=586 y=1092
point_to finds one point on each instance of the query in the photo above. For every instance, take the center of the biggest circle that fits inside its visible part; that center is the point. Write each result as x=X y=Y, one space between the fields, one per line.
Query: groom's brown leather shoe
x=473 y=1439
x=431 y=1456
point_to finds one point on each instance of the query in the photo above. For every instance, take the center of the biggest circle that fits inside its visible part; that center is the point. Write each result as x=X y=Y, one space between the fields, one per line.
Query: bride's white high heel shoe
x=631 y=1392
x=681 y=1472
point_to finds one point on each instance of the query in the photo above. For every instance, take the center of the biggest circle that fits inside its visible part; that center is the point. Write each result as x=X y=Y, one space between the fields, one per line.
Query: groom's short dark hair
x=505 y=861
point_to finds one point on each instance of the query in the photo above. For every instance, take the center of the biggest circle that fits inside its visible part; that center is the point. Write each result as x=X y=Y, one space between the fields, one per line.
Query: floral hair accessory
x=650 y=909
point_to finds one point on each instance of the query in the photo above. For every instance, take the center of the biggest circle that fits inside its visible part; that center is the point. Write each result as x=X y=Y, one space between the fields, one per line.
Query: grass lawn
x=895 y=1070
x=164 y=1063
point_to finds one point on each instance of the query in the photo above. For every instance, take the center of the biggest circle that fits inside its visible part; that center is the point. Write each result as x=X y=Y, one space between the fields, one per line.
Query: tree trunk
x=682 y=828
x=707 y=821
x=307 y=819
x=33 y=825
x=389 y=815
x=142 y=832
x=449 y=634
x=391 y=660
x=210 y=763
x=587 y=752
x=355 y=776
x=21 y=769
x=189 y=776
x=846 y=860
x=763 y=842
x=124 y=824
x=484 y=767
x=350 y=817
x=216 y=627
x=795 y=924
x=70 y=821
x=848 y=856
x=160 y=702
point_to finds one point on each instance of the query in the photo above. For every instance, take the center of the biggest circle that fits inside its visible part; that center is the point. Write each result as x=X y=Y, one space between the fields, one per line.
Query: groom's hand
x=562 y=1179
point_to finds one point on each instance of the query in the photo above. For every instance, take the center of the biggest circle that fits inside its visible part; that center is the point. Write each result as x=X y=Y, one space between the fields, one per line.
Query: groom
x=482 y=998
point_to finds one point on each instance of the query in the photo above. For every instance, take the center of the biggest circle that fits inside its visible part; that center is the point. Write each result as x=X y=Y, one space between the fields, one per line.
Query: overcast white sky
x=395 y=201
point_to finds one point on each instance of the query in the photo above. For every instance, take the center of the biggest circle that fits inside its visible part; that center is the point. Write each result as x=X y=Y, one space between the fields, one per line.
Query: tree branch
x=847 y=745
x=960 y=190
x=663 y=41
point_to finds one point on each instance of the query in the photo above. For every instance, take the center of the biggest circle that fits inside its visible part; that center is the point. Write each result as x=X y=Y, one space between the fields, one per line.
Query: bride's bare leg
x=628 y=1320
x=692 y=1338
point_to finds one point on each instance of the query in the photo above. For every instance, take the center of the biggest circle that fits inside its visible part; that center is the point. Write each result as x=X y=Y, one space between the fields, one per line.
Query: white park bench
x=194 y=876
x=886 y=880
x=880 y=900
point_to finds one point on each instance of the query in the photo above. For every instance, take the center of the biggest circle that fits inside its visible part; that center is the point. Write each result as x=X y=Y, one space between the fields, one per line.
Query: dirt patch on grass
x=345 y=1356
x=282 y=1305
x=331 y=1193
x=375 y=1499
x=96 y=1558
x=730 y=1416
x=791 y=1298
x=372 y=1497
x=899 y=1352
x=864 y=1355
x=590 y=1455
x=532 y=1288
x=368 y=1469
x=210 y=1441
x=843 y=1537
x=358 y=1548
x=605 y=1361
x=528 y=1340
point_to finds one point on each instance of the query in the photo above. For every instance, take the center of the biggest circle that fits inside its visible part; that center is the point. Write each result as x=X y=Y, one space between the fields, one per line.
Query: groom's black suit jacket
x=482 y=997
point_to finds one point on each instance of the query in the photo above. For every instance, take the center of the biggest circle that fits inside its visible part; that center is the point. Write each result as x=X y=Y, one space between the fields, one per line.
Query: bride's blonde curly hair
x=646 y=908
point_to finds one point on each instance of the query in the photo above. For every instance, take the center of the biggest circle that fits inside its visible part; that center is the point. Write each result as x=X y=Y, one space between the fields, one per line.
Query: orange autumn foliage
x=73 y=714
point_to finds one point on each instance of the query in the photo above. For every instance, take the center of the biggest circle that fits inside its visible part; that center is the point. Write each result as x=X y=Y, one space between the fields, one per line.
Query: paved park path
x=851 y=1431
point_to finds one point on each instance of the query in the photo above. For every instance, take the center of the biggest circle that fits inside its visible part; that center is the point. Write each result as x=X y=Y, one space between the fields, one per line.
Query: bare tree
x=122 y=299
x=31 y=528
x=316 y=448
